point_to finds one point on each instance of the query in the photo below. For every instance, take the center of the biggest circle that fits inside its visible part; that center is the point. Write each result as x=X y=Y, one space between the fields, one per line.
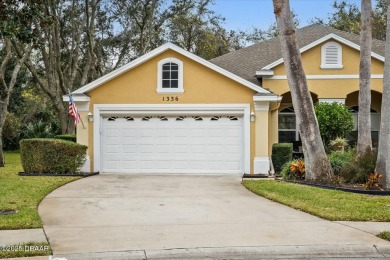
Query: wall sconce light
x=252 y=116
x=90 y=117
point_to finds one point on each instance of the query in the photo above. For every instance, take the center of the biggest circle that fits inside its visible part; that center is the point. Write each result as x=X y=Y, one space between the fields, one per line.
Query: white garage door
x=172 y=144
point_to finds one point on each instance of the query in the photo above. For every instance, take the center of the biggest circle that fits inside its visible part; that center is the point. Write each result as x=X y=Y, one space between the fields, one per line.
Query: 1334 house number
x=171 y=98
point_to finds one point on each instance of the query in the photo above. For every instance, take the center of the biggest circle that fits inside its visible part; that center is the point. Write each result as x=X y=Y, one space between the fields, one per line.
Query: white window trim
x=339 y=64
x=99 y=110
x=160 y=89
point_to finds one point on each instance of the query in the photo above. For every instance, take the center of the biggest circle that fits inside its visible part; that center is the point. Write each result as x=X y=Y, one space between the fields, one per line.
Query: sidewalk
x=12 y=237
x=21 y=236
x=267 y=252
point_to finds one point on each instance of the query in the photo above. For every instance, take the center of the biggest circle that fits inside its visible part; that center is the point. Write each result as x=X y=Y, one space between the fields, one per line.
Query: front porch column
x=261 y=163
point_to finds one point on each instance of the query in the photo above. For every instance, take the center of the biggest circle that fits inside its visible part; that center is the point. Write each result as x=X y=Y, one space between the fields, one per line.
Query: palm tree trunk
x=383 y=160
x=364 y=142
x=318 y=167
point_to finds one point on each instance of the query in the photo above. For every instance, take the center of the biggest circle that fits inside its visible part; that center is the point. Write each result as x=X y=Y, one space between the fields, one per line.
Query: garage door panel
x=130 y=148
x=112 y=149
x=146 y=148
x=167 y=145
x=129 y=132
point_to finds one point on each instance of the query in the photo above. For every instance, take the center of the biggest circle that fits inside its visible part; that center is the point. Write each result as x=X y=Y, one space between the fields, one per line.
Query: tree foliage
x=346 y=16
x=334 y=119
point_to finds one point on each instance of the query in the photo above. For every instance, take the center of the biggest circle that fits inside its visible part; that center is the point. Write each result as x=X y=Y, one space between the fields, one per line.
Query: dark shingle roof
x=245 y=62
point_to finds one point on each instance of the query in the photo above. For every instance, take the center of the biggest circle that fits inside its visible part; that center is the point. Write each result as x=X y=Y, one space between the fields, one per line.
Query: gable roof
x=96 y=83
x=267 y=54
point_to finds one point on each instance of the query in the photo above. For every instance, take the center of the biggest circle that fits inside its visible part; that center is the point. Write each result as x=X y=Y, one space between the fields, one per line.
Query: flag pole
x=81 y=121
x=77 y=113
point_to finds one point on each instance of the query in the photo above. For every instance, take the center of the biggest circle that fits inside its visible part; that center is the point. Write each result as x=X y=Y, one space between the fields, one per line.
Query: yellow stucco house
x=171 y=111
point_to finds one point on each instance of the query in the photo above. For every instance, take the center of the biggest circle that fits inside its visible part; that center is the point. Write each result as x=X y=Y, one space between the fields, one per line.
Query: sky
x=244 y=14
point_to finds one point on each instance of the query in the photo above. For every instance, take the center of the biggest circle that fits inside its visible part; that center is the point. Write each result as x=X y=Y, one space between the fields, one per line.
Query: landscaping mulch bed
x=354 y=188
x=254 y=176
x=81 y=174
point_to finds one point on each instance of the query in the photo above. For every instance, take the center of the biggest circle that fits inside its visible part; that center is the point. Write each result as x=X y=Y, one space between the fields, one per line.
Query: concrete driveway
x=119 y=213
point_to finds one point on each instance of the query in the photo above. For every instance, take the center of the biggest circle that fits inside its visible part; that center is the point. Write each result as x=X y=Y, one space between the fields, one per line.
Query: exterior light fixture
x=90 y=117
x=252 y=116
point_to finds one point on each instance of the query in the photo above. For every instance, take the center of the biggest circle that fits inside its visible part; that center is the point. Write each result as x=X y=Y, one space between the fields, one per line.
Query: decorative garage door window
x=173 y=144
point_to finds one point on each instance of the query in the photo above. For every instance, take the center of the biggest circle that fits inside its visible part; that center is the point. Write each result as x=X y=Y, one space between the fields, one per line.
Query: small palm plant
x=339 y=144
x=38 y=130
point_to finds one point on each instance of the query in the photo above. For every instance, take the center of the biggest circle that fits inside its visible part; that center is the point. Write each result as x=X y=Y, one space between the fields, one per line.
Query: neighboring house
x=171 y=111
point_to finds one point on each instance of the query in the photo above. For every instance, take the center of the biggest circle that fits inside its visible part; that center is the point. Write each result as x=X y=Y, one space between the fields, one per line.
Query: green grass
x=385 y=235
x=24 y=250
x=23 y=194
x=328 y=204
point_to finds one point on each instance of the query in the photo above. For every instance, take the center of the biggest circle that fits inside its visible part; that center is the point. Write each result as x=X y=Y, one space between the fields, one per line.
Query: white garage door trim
x=100 y=110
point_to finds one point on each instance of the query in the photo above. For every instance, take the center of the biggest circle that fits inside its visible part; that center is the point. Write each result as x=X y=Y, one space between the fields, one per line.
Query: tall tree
x=7 y=83
x=364 y=142
x=383 y=160
x=65 y=53
x=16 y=22
x=317 y=164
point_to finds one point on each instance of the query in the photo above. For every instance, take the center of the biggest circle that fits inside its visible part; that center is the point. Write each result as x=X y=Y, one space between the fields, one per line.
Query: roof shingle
x=245 y=62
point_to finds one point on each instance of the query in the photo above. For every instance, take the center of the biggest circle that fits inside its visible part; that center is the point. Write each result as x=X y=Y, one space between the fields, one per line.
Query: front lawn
x=328 y=204
x=385 y=235
x=23 y=194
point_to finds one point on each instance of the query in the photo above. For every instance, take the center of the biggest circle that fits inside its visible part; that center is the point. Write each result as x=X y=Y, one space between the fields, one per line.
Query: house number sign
x=170 y=98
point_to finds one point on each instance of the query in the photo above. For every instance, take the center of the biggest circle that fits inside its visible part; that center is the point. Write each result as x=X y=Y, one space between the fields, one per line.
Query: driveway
x=119 y=213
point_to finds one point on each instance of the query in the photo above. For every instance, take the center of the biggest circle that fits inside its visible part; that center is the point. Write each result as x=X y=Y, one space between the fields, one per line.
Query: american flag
x=73 y=110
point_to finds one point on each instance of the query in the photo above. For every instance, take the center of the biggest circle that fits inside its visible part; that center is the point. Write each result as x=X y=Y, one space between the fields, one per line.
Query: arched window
x=170 y=76
x=331 y=56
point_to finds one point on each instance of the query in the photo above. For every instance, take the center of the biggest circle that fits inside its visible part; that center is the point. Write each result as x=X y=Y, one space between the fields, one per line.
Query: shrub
x=293 y=170
x=51 y=156
x=71 y=138
x=286 y=173
x=338 y=159
x=298 y=168
x=281 y=154
x=359 y=170
x=334 y=119
x=374 y=182
x=339 y=144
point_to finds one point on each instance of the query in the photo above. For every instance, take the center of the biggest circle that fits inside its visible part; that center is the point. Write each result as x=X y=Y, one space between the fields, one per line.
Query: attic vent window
x=331 y=56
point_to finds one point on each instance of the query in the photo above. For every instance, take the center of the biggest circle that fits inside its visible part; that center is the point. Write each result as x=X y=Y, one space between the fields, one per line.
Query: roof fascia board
x=275 y=98
x=156 y=52
x=321 y=40
x=76 y=98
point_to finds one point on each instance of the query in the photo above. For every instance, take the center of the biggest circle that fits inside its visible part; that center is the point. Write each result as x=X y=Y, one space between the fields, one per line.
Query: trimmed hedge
x=71 y=138
x=45 y=155
x=281 y=154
